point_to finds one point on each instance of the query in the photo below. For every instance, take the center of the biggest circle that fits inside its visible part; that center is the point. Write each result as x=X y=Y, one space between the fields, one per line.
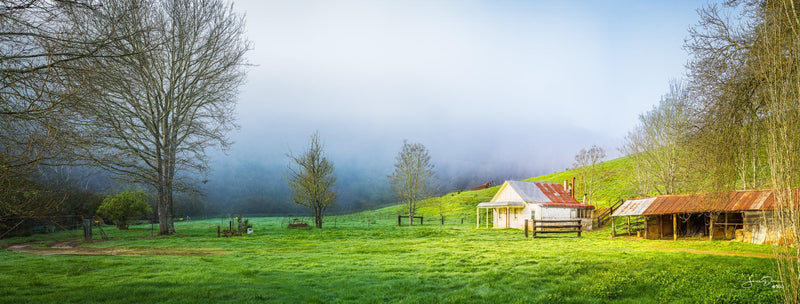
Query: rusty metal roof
x=559 y=197
x=752 y=200
x=633 y=207
x=545 y=194
x=555 y=193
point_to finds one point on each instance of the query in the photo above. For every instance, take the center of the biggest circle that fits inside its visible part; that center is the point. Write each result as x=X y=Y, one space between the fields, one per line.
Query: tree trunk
x=318 y=217
x=164 y=203
x=411 y=217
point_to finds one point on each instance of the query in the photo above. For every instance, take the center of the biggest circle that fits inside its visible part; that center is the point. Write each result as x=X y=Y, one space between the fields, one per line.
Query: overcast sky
x=522 y=84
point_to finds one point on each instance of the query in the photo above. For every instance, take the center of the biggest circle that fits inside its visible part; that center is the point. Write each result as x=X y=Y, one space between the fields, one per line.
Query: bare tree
x=775 y=60
x=156 y=112
x=38 y=93
x=413 y=178
x=658 y=143
x=725 y=91
x=586 y=162
x=313 y=179
x=746 y=74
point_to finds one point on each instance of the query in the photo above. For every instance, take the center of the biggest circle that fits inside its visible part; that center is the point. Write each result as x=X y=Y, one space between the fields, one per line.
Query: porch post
x=477 y=218
x=508 y=223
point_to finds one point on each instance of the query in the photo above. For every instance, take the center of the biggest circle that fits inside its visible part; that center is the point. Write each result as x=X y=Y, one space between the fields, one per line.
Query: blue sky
x=521 y=85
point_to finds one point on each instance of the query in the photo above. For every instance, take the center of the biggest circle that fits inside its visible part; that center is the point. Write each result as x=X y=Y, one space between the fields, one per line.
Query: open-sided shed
x=743 y=215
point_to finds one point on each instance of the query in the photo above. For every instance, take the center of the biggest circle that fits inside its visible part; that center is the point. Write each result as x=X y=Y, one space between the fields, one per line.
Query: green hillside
x=616 y=183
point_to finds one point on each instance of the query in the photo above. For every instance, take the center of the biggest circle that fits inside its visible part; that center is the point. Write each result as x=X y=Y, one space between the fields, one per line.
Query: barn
x=746 y=216
x=517 y=201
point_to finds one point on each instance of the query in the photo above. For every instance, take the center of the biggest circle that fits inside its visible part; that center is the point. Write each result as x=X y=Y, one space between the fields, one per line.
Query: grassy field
x=366 y=258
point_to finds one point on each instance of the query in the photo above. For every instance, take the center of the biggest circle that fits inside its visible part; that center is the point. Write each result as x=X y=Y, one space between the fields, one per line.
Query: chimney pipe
x=573 y=187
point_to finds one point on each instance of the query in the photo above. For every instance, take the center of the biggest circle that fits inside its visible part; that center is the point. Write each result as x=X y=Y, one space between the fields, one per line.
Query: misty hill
x=253 y=185
x=616 y=183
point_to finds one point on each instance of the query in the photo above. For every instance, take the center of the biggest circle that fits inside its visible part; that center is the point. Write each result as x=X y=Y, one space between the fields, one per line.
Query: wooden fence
x=552 y=226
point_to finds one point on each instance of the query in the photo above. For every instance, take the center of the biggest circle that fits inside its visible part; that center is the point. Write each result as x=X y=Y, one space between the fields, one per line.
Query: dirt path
x=714 y=252
x=71 y=248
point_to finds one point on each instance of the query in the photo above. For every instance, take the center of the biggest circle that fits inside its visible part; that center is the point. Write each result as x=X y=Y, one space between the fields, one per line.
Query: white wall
x=557 y=213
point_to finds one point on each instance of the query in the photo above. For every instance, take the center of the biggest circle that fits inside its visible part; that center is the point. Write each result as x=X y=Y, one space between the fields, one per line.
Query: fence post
x=398 y=220
x=526 y=229
x=87 y=229
x=421 y=221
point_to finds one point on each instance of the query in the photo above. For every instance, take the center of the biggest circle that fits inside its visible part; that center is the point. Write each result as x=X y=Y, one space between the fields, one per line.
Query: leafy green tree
x=124 y=206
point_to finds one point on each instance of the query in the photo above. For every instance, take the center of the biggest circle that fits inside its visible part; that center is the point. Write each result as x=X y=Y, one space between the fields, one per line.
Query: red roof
x=559 y=197
x=712 y=202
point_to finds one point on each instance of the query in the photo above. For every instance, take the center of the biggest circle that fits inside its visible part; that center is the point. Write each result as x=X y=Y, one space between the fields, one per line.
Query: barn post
x=477 y=218
x=645 y=226
x=725 y=232
x=660 y=226
x=613 y=228
x=710 y=227
x=674 y=227
x=688 y=220
x=629 y=225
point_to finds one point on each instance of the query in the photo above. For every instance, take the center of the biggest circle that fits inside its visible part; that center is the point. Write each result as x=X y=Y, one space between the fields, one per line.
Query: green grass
x=366 y=258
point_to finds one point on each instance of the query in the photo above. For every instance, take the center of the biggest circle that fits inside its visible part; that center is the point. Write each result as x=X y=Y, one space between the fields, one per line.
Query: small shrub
x=123 y=206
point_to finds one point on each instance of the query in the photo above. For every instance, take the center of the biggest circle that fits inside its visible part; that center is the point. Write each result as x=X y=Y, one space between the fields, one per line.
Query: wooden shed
x=746 y=216
x=517 y=201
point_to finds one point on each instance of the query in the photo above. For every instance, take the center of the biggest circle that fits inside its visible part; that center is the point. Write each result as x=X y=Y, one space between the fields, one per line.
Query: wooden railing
x=553 y=226
x=605 y=216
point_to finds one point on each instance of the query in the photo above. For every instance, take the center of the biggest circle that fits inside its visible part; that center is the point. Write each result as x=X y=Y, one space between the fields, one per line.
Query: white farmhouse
x=517 y=201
